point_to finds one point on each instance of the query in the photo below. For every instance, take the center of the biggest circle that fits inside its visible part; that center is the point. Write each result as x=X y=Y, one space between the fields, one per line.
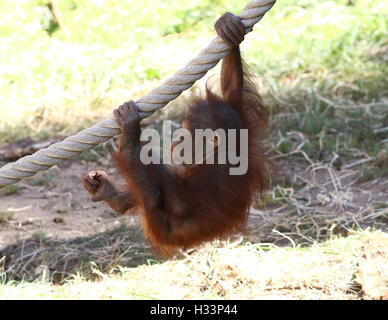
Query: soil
x=54 y=204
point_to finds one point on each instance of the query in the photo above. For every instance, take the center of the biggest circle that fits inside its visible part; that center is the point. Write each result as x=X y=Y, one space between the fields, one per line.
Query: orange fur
x=202 y=202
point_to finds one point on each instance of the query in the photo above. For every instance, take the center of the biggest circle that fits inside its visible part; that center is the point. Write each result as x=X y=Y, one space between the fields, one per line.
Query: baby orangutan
x=186 y=206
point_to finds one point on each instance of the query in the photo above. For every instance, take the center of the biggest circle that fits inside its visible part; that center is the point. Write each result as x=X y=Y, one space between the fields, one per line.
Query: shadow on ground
x=58 y=260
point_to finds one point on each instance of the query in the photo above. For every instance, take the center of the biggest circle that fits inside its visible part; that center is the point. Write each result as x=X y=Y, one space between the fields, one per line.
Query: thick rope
x=104 y=130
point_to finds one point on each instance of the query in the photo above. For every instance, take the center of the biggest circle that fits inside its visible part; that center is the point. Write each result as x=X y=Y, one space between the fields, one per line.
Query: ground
x=52 y=224
x=59 y=208
x=320 y=232
x=54 y=203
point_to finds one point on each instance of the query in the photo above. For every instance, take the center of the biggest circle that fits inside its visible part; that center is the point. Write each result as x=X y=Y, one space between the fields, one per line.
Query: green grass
x=325 y=70
x=11 y=189
x=5 y=217
x=322 y=64
x=44 y=180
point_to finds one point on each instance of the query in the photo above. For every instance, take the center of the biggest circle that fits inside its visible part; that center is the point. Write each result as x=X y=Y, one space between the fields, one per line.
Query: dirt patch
x=55 y=205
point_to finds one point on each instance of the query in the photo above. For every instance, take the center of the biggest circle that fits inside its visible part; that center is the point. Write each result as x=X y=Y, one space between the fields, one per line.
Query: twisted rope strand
x=104 y=130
